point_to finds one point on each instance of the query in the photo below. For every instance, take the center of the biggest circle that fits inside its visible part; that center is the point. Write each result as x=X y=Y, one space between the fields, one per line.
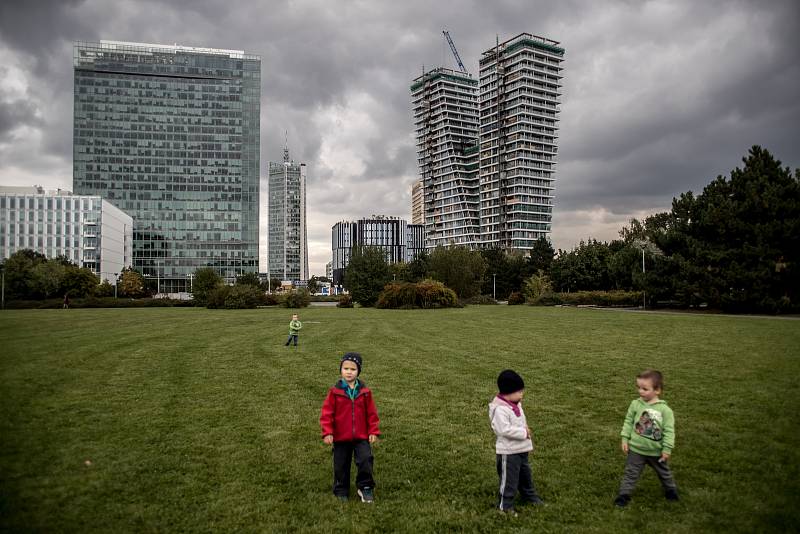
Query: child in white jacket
x=513 y=442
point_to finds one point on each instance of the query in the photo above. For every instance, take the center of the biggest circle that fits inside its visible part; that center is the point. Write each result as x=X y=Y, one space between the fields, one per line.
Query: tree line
x=732 y=247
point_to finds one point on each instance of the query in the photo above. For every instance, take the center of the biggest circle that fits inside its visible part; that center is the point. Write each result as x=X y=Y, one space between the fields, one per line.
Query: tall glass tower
x=170 y=135
x=287 y=253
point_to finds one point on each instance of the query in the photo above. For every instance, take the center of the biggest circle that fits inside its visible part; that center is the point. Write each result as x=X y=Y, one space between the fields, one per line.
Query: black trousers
x=343 y=452
x=515 y=474
x=291 y=336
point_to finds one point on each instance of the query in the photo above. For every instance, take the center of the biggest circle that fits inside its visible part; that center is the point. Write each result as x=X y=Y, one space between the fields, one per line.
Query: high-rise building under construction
x=446 y=119
x=506 y=171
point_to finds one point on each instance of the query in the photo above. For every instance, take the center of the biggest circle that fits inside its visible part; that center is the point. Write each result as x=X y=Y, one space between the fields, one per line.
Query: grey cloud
x=658 y=98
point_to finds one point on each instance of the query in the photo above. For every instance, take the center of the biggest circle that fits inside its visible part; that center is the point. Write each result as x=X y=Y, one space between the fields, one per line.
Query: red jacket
x=349 y=420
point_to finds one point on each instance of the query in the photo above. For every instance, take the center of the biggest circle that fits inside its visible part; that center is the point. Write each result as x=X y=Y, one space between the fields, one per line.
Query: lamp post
x=494 y=286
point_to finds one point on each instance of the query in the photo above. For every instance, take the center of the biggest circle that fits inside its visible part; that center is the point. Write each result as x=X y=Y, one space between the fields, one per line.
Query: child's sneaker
x=536 y=501
x=622 y=501
x=672 y=495
x=366 y=495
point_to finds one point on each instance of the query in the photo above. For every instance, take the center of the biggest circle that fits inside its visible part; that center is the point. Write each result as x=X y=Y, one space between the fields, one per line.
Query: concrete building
x=446 y=121
x=417 y=204
x=287 y=251
x=488 y=163
x=171 y=135
x=520 y=82
x=87 y=230
x=399 y=240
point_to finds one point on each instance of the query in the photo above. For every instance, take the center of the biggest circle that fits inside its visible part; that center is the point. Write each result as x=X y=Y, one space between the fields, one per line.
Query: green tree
x=366 y=274
x=79 y=281
x=46 y=277
x=541 y=256
x=458 y=268
x=131 y=284
x=206 y=280
x=537 y=288
x=313 y=285
x=419 y=267
x=17 y=268
x=248 y=279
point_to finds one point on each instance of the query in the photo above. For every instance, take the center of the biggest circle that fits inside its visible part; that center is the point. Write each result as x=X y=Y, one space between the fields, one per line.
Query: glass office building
x=287 y=252
x=401 y=242
x=170 y=135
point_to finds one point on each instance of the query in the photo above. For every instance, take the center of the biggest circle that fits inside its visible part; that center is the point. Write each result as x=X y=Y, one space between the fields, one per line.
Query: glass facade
x=400 y=241
x=170 y=135
x=287 y=251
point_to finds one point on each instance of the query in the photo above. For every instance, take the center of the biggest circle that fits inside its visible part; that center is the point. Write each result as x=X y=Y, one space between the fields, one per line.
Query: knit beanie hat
x=509 y=382
x=351 y=357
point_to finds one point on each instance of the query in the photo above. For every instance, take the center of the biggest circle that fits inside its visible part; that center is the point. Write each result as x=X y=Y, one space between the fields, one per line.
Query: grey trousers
x=515 y=474
x=633 y=470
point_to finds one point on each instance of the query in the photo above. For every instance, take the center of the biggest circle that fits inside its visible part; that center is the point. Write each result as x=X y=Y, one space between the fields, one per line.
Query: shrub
x=425 y=294
x=599 y=298
x=515 y=299
x=104 y=290
x=269 y=300
x=345 y=301
x=538 y=289
x=296 y=298
x=480 y=299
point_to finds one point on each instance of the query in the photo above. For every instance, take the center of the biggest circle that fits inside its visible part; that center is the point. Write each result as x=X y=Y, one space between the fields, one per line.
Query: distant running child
x=513 y=442
x=349 y=422
x=294 y=330
x=648 y=437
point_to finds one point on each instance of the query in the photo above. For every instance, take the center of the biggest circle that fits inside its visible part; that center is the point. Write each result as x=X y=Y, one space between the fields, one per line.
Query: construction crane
x=455 y=52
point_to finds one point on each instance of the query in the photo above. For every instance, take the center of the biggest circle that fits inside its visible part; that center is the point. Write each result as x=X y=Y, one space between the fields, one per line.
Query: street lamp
x=494 y=286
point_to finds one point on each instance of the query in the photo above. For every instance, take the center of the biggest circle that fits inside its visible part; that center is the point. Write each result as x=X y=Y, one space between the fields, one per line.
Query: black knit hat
x=351 y=357
x=509 y=382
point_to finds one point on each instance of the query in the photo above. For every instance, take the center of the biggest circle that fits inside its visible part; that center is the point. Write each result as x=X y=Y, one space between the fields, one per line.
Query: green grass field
x=146 y=420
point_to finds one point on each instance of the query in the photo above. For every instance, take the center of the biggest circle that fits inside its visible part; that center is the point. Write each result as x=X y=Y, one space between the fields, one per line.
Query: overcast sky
x=659 y=97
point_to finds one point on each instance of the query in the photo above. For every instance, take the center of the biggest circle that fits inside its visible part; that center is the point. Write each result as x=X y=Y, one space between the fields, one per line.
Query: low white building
x=88 y=230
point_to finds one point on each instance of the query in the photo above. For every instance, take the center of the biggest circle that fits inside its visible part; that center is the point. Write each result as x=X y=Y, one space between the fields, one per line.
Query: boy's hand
x=328 y=440
x=625 y=447
x=373 y=438
x=664 y=457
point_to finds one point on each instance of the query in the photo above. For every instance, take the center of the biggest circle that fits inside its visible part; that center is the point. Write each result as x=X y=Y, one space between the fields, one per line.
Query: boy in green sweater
x=648 y=436
x=294 y=330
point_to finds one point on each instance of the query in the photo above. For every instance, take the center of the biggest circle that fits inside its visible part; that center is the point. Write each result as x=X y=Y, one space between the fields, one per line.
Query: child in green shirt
x=648 y=436
x=294 y=329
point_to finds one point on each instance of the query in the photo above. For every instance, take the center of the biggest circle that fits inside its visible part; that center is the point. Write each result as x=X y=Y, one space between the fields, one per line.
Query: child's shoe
x=536 y=501
x=672 y=495
x=366 y=495
x=509 y=512
x=622 y=501
x=343 y=498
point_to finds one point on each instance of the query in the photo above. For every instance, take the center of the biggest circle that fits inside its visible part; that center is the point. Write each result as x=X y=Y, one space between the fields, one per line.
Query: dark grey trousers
x=633 y=470
x=343 y=452
x=515 y=474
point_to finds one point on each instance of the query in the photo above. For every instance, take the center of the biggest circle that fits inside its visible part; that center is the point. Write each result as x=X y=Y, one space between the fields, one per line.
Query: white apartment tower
x=287 y=246
x=520 y=81
x=446 y=121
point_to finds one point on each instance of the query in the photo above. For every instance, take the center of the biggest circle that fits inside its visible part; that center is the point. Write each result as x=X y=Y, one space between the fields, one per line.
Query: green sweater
x=294 y=327
x=649 y=429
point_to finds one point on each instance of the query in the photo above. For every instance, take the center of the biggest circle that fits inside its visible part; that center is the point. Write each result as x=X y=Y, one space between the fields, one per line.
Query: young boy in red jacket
x=350 y=423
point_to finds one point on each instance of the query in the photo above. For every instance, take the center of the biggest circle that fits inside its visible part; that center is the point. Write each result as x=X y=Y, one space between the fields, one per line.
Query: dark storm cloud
x=659 y=97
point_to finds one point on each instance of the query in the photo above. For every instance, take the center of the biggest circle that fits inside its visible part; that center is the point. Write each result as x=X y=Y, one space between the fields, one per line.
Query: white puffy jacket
x=511 y=431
